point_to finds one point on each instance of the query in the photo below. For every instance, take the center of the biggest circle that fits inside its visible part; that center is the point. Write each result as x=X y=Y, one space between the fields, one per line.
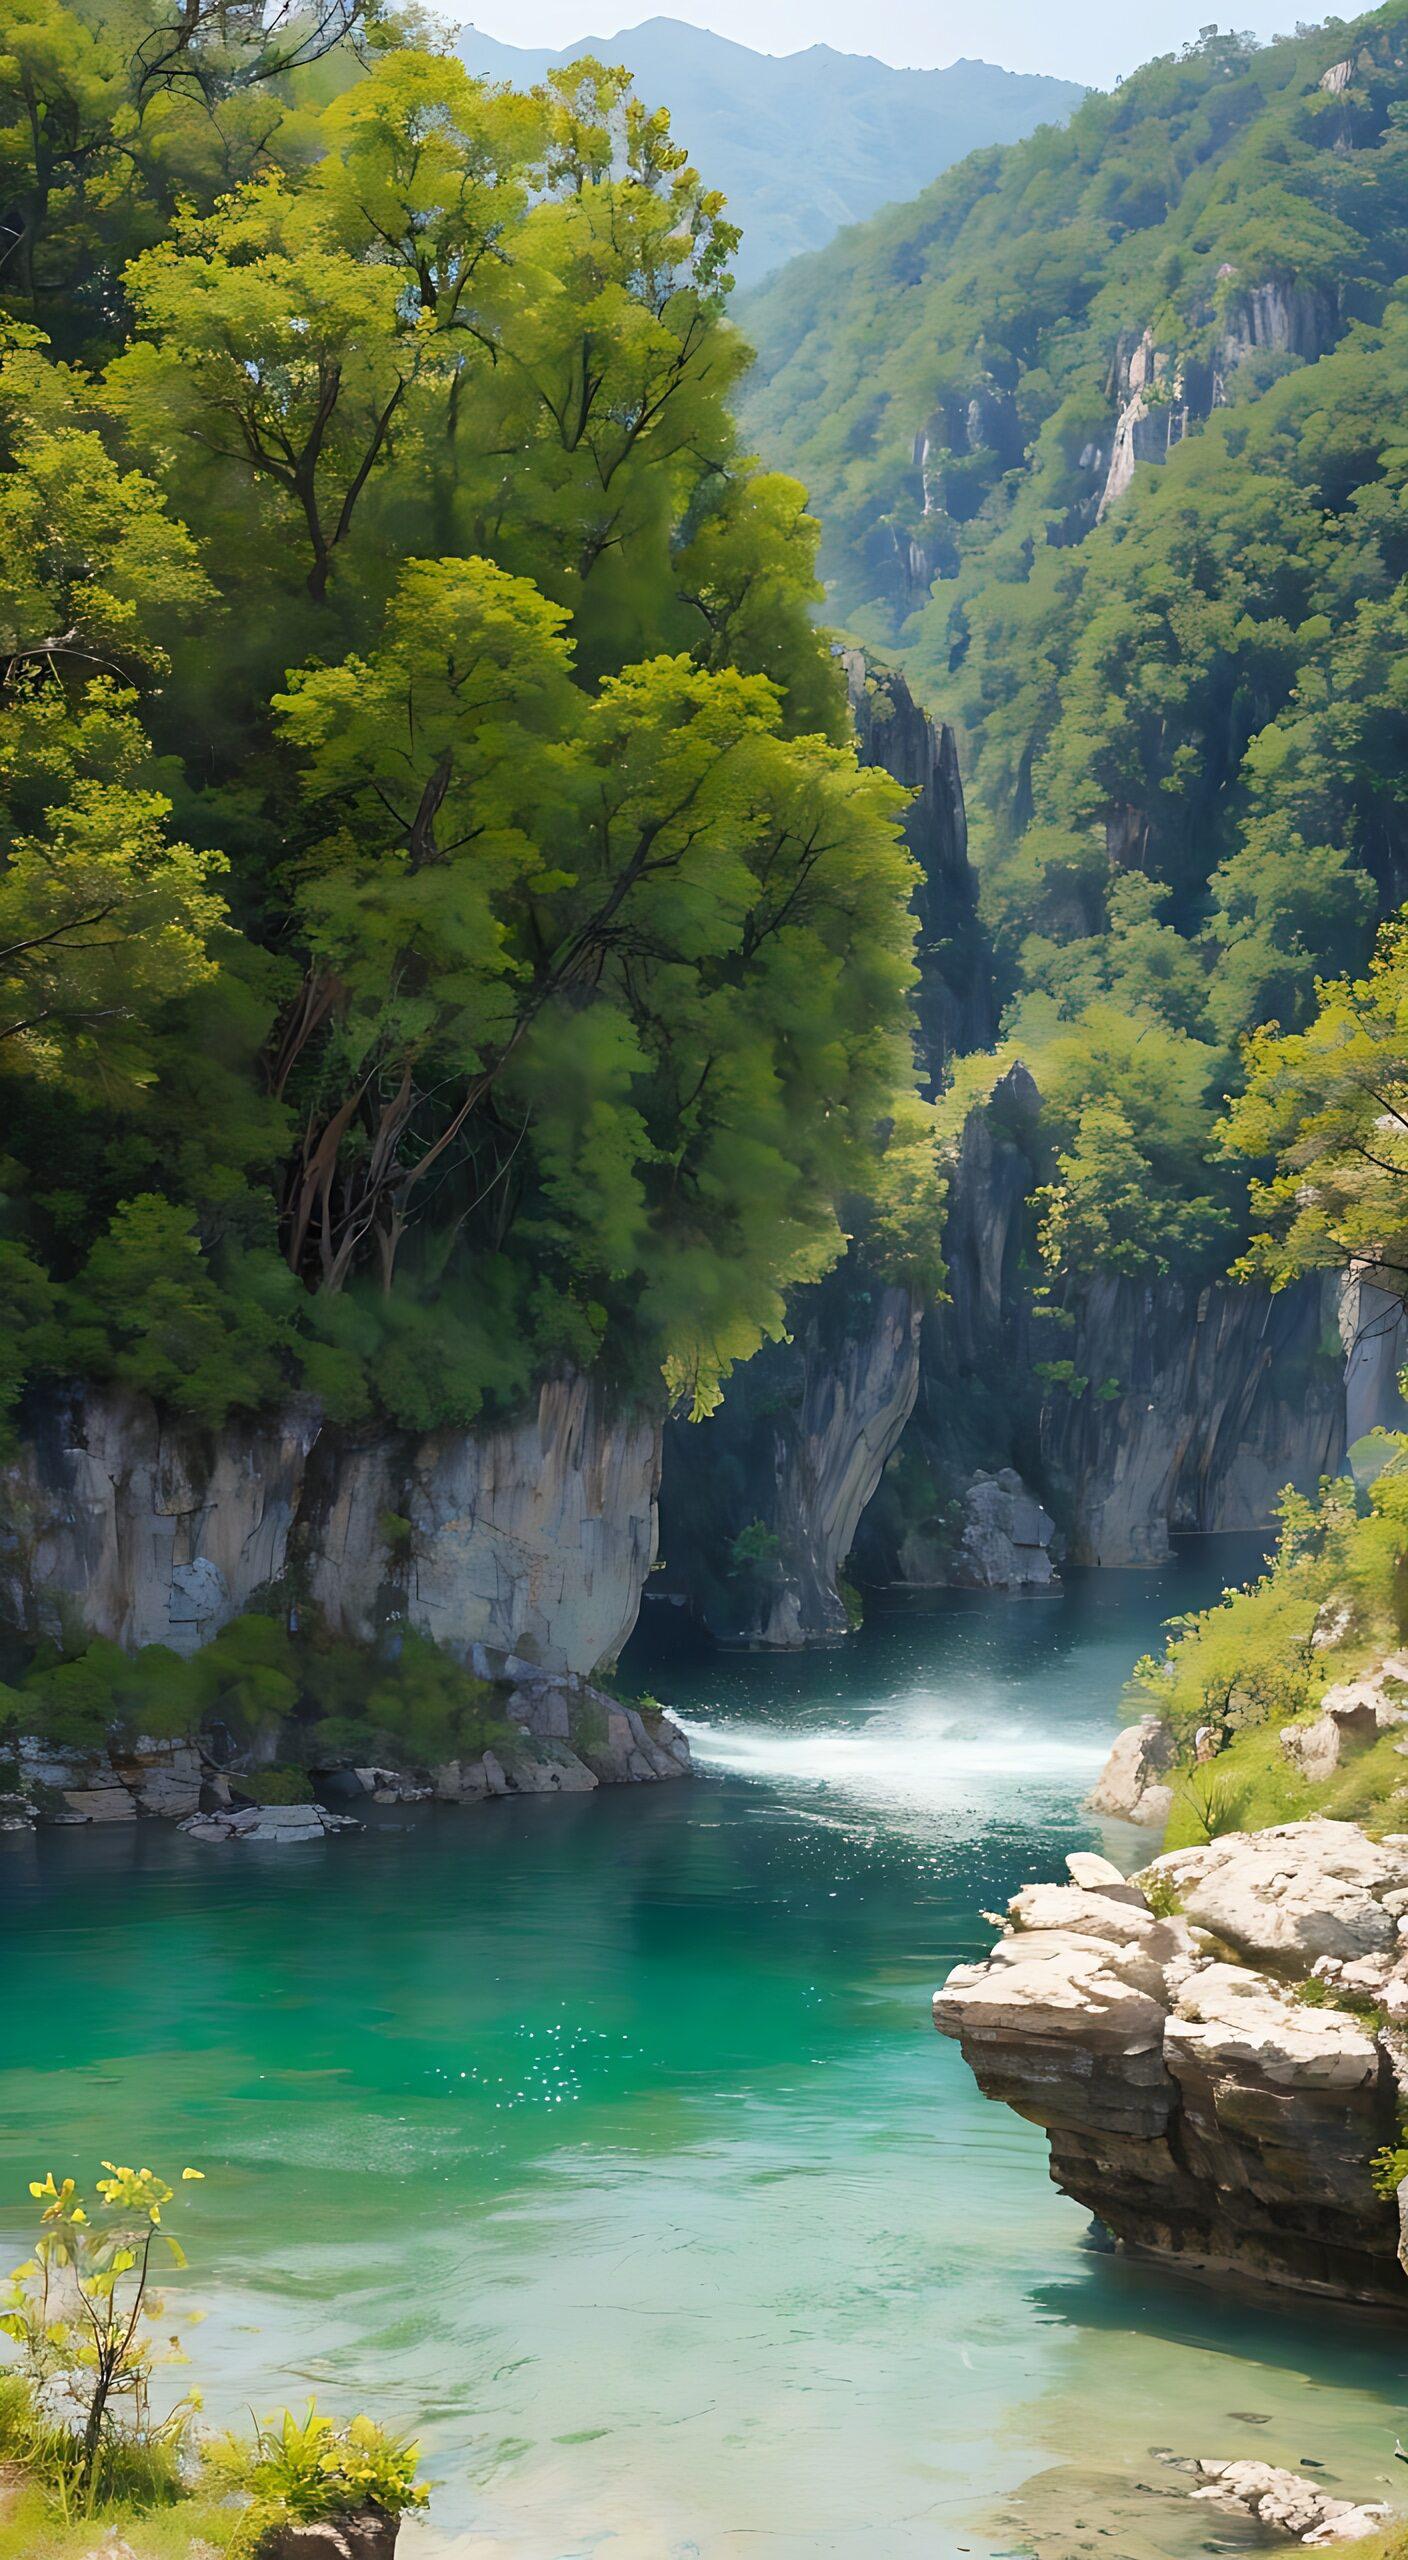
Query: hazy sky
x=1094 y=40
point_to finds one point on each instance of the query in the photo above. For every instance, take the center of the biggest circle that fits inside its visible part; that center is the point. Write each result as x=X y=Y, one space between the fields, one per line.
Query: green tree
x=1329 y=1107
x=81 y=2309
x=103 y=918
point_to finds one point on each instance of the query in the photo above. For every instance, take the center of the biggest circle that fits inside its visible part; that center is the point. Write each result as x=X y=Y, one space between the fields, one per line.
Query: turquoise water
x=607 y=2141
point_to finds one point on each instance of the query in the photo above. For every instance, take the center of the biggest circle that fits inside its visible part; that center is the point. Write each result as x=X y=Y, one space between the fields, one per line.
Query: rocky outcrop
x=1164 y=394
x=1195 y=2102
x=975 y=1411
x=1004 y=1543
x=760 y=1505
x=1133 y=1785
x=531 y=1538
x=1352 y=1716
x=1136 y=1411
x=1285 y=2503
x=554 y=1736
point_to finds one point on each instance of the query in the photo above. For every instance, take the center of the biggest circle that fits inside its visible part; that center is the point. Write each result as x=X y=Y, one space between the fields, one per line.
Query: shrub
x=81 y=2311
x=1161 y=1894
x=277 y=1786
x=1389 y=2167
x=305 y=2470
x=755 y=1548
x=1216 y=1802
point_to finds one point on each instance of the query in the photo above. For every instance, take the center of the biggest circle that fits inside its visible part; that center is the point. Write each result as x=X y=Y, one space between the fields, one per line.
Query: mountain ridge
x=802 y=144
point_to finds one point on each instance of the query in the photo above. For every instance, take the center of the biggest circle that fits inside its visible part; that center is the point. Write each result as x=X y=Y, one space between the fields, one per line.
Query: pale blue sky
x=1094 y=40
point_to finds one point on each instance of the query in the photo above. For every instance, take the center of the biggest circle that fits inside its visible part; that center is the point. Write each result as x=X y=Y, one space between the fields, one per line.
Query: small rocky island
x=1217 y=2049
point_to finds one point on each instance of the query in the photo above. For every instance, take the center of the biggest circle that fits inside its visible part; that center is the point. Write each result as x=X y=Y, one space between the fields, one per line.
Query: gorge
x=703 y=1262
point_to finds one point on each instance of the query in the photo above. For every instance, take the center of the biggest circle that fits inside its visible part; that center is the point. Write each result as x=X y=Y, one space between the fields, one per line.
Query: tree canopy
x=444 y=930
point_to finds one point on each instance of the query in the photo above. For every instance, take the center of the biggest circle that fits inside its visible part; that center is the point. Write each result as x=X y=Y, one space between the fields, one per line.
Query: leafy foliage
x=80 y=2310
x=444 y=933
x=303 y=2470
x=319 y=1698
x=1329 y=1106
x=1333 y=1601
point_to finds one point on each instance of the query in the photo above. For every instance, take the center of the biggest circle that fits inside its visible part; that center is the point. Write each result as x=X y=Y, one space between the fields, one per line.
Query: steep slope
x=801 y=143
x=1103 y=434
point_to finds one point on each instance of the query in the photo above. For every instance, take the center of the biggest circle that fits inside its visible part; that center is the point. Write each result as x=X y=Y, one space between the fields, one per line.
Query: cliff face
x=1157 y=1408
x=1199 y=1407
x=1198 y=2106
x=531 y=1540
x=956 y=1002
x=760 y=1505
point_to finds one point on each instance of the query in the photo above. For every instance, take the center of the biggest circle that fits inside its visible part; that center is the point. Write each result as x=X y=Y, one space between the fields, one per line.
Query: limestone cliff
x=1197 y=1408
x=956 y=1001
x=530 y=1539
x=1148 y=1409
x=760 y=1505
x=1194 y=2101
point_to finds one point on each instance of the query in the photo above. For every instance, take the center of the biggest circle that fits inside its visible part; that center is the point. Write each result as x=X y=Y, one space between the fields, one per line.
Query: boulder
x=282 y=1825
x=1290 y=1894
x=165 y=1778
x=1132 y=1785
x=1005 y=1542
x=100 y=1804
x=1352 y=1716
x=368 y=2535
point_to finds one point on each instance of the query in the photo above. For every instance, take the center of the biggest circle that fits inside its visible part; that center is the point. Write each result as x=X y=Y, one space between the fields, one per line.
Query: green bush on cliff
x=1264 y=1654
x=320 y=1699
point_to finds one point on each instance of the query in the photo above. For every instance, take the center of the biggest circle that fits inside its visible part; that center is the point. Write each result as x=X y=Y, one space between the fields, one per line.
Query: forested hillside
x=1105 y=433
x=445 y=935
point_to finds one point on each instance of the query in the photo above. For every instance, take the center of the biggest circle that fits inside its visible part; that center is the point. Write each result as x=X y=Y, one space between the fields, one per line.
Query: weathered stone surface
x=762 y=1502
x=282 y=1825
x=1202 y=1428
x=1288 y=1895
x=1198 y=2107
x=1005 y=1542
x=532 y=1539
x=1131 y=1787
x=99 y=1804
x=141 y=1530
x=162 y=1777
x=368 y=2535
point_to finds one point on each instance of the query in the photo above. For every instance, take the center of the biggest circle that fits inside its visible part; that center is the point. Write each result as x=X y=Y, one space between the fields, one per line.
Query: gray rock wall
x=532 y=1539
x=761 y=1504
x=1199 y=1407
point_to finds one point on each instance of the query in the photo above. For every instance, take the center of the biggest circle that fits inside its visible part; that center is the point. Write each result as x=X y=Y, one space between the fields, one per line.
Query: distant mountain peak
x=802 y=143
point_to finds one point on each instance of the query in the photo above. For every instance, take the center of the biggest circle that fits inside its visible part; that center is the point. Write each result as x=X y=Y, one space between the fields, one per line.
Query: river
x=607 y=2141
